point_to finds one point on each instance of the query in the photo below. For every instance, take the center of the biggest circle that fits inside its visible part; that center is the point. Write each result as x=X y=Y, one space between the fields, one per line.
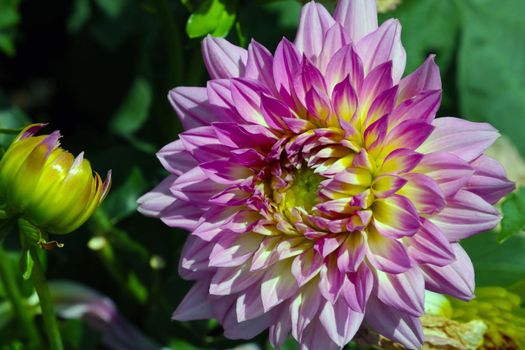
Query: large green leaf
x=496 y=264
x=9 y=19
x=214 y=17
x=491 y=64
x=513 y=208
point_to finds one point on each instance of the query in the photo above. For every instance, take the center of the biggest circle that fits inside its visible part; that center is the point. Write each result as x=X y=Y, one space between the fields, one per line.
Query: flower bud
x=46 y=185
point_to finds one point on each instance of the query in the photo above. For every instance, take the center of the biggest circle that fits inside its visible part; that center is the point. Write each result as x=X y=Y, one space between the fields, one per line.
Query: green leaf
x=9 y=19
x=496 y=264
x=134 y=111
x=491 y=64
x=215 y=17
x=513 y=208
x=178 y=344
x=122 y=202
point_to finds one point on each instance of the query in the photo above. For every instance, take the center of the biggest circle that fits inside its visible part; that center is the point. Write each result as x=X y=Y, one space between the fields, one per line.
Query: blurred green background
x=100 y=70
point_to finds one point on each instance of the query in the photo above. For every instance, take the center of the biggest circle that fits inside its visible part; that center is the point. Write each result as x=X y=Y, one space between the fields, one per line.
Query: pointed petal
x=467 y=140
x=425 y=78
x=191 y=105
x=403 y=291
x=223 y=59
x=456 y=279
x=430 y=246
x=278 y=284
x=386 y=254
x=313 y=25
x=489 y=180
x=195 y=305
x=340 y=322
x=424 y=193
x=335 y=38
x=306 y=266
x=384 y=45
x=359 y=17
x=395 y=217
x=393 y=324
x=260 y=65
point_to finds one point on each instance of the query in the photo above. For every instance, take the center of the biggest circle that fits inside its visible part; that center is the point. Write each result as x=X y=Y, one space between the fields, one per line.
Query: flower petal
x=223 y=59
x=467 y=140
x=195 y=305
x=340 y=322
x=393 y=324
x=395 y=217
x=384 y=45
x=191 y=104
x=403 y=291
x=456 y=279
x=386 y=254
x=430 y=246
x=314 y=22
x=465 y=215
x=424 y=193
x=358 y=17
x=425 y=78
x=489 y=180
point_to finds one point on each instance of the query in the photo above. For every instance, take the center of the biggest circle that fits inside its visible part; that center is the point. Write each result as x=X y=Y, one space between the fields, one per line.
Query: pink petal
x=422 y=107
x=467 y=140
x=175 y=159
x=387 y=254
x=386 y=185
x=286 y=66
x=315 y=338
x=489 y=180
x=231 y=280
x=335 y=38
x=194 y=186
x=357 y=288
x=158 y=199
x=304 y=309
x=465 y=215
x=424 y=193
x=403 y=291
x=193 y=264
x=351 y=253
x=234 y=250
x=191 y=104
x=401 y=160
x=359 y=17
x=220 y=100
x=425 y=78
x=332 y=280
x=313 y=25
x=223 y=59
x=246 y=96
x=280 y=330
x=393 y=324
x=450 y=171
x=395 y=217
x=430 y=246
x=306 y=266
x=384 y=45
x=260 y=65
x=345 y=63
x=278 y=284
x=344 y=102
x=225 y=172
x=408 y=134
x=340 y=322
x=195 y=305
x=181 y=214
x=456 y=279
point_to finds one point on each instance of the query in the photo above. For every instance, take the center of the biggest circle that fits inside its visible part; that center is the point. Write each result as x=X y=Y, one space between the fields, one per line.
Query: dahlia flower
x=43 y=183
x=319 y=190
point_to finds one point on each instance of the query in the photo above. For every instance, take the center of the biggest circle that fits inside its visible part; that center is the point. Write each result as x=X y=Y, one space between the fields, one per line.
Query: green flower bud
x=46 y=185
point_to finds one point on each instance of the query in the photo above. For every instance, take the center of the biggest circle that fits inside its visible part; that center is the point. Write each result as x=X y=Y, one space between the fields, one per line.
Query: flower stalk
x=17 y=302
x=38 y=277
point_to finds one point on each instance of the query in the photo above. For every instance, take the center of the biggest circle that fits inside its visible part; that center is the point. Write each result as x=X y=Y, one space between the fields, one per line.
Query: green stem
x=18 y=302
x=46 y=303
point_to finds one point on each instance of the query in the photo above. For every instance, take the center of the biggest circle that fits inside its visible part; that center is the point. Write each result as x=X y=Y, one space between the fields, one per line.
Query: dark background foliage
x=100 y=70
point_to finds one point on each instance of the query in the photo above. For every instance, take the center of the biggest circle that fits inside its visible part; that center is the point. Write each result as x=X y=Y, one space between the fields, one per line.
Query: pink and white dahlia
x=319 y=190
